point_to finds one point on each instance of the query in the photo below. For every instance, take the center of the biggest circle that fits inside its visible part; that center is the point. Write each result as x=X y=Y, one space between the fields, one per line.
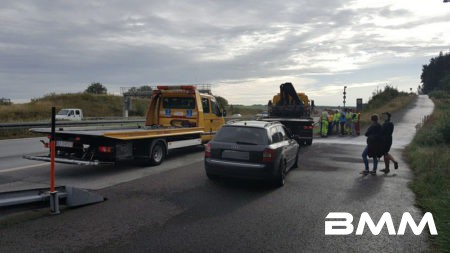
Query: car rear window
x=243 y=135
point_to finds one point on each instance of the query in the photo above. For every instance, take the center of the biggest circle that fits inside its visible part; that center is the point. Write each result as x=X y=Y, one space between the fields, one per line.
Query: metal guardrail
x=68 y=123
x=92 y=121
x=73 y=197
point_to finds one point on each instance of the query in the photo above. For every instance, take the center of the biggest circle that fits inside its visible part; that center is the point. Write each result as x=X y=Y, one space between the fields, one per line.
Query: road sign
x=359 y=104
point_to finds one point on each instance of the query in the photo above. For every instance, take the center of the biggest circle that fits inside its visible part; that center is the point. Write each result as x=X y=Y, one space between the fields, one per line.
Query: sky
x=244 y=49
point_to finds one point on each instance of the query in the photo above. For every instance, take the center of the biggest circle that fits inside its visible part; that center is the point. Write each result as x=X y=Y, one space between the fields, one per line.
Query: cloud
x=64 y=46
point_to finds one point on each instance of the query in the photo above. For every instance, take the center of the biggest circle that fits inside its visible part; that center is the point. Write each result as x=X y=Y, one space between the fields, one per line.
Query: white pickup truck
x=69 y=114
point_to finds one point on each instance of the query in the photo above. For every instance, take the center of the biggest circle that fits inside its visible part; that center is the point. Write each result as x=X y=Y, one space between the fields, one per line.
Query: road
x=175 y=208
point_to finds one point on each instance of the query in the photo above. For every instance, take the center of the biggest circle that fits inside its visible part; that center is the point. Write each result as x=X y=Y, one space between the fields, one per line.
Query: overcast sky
x=245 y=49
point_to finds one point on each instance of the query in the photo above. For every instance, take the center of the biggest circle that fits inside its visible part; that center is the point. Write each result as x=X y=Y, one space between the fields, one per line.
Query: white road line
x=23 y=167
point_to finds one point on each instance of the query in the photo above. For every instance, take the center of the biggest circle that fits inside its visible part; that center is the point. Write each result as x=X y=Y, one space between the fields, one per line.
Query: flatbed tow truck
x=177 y=116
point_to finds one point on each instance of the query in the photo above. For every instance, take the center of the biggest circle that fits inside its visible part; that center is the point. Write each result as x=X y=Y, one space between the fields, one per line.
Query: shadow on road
x=366 y=186
x=74 y=171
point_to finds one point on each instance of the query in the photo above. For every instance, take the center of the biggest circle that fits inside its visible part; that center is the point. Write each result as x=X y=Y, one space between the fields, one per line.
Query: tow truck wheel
x=157 y=153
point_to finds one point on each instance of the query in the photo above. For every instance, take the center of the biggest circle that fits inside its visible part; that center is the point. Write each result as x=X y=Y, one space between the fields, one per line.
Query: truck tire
x=157 y=153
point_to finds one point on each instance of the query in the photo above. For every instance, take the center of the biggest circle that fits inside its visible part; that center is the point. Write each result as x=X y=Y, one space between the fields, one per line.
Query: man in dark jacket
x=386 y=132
x=374 y=146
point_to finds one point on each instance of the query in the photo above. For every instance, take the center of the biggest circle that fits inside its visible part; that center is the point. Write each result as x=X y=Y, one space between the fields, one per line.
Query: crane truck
x=177 y=116
x=293 y=110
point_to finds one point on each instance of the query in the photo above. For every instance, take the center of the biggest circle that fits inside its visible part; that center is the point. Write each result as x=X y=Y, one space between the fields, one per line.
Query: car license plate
x=64 y=144
x=237 y=155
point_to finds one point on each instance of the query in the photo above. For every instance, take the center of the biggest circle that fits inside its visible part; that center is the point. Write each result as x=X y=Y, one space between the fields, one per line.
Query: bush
x=383 y=97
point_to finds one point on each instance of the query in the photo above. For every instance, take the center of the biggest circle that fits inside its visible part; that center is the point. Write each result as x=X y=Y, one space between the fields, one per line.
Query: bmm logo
x=343 y=226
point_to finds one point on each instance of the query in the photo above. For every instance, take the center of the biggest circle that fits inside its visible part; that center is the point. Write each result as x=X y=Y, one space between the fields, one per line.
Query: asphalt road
x=175 y=208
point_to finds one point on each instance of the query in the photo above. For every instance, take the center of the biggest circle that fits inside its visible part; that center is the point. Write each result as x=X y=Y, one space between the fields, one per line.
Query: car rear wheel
x=281 y=174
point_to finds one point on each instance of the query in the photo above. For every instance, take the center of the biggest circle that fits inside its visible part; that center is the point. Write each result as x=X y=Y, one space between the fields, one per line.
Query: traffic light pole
x=344 y=93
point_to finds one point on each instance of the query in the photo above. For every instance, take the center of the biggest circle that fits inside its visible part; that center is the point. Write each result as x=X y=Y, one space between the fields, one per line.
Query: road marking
x=22 y=167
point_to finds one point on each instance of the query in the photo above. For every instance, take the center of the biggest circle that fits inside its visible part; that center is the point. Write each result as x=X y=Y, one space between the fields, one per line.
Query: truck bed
x=128 y=133
x=287 y=119
x=302 y=128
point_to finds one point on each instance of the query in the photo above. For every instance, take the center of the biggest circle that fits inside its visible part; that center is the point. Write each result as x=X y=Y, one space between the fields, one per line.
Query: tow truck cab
x=185 y=106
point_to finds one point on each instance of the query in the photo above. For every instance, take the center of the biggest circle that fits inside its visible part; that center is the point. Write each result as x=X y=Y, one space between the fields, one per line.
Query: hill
x=93 y=105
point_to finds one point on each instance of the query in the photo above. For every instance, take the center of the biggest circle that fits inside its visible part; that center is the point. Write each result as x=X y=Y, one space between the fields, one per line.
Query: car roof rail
x=230 y=122
x=271 y=123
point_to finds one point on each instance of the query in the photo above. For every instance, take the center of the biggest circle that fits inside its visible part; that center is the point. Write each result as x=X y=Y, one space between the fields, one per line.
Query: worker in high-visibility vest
x=342 y=120
x=357 y=123
x=336 y=117
x=324 y=125
x=330 y=122
x=348 y=122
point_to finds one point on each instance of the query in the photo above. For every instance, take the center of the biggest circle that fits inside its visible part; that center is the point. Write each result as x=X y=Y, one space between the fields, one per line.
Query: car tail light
x=268 y=155
x=307 y=127
x=208 y=150
x=105 y=149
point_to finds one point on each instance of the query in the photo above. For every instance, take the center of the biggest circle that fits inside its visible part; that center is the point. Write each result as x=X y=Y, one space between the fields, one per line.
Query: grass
x=429 y=157
x=92 y=106
x=245 y=111
x=391 y=105
x=40 y=109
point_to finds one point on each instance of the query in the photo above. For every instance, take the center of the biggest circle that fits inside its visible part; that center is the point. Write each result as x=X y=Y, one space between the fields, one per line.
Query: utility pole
x=344 y=93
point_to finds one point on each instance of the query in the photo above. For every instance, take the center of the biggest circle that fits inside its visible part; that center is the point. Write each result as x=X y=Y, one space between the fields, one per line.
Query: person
x=386 y=132
x=357 y=124
x=342 y=120
x=354 y=121
x=324 y=124
x=337 y=115
x=330 y=122
x=348 y=121
x=373 y=146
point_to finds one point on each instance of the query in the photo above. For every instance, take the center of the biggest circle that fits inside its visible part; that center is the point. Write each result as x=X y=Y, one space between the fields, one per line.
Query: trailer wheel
x=157 y=153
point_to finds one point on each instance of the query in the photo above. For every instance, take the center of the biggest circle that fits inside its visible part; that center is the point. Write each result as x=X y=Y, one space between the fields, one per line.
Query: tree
x=222 y=101
x=96 y=88
x=434 y=74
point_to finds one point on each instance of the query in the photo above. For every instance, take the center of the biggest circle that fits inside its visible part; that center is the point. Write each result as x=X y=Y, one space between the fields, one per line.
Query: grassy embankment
x=388 y=100
x=429 y=157
x=40 y=109
x=247 y=112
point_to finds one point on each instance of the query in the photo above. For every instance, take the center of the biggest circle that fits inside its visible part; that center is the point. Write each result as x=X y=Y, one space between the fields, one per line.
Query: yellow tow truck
x=177 y=116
